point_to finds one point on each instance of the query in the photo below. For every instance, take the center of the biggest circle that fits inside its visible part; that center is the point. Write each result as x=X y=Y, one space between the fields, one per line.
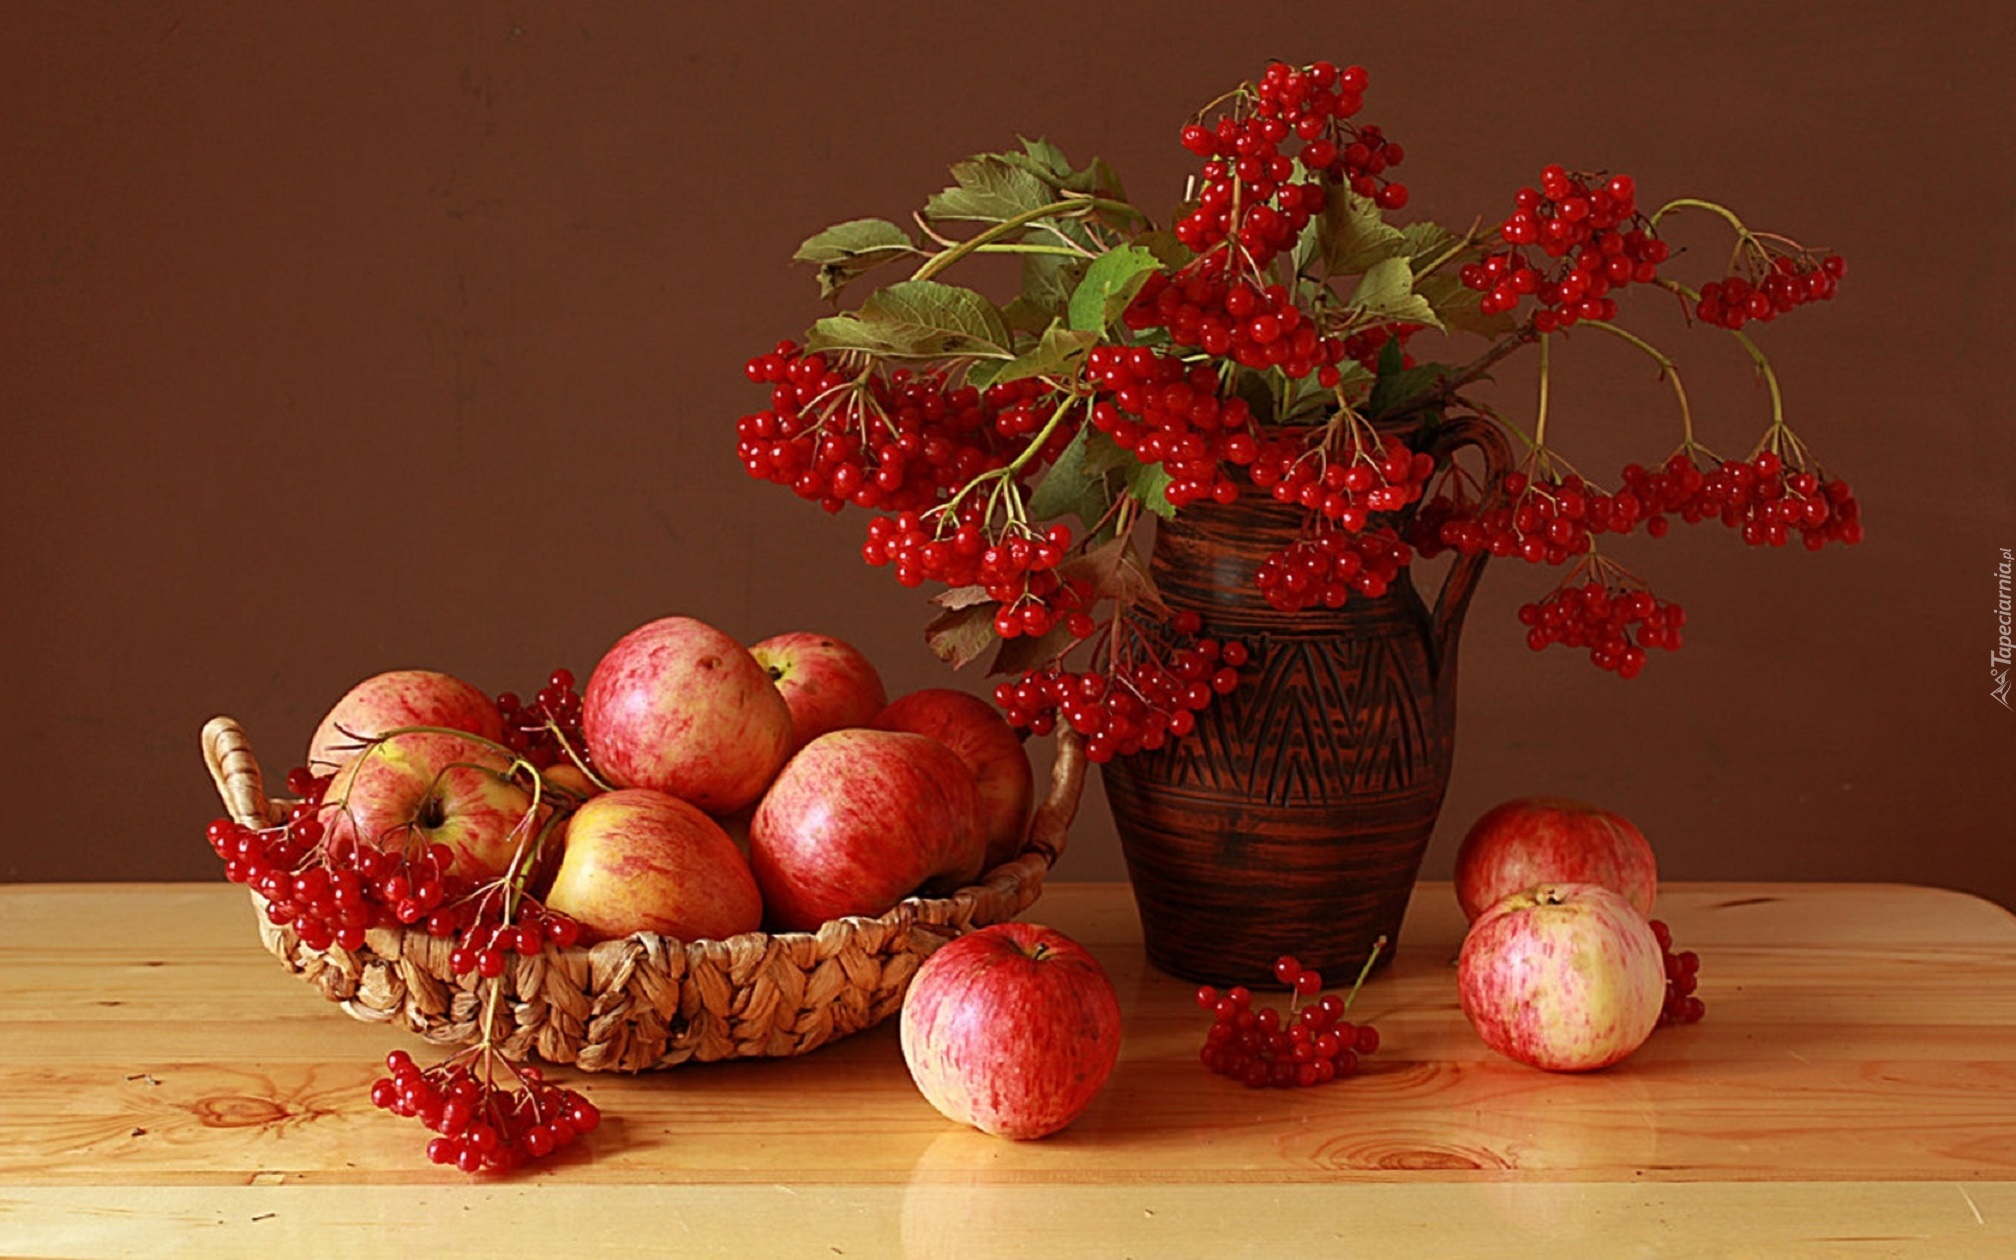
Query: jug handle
x=1461 y=582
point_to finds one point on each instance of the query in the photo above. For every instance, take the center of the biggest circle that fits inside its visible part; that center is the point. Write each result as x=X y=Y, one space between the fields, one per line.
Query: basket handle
x=1050 y=825
x=235 y=770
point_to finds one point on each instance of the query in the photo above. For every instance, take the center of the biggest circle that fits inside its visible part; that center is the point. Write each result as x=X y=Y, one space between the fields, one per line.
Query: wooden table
x=166 y=1089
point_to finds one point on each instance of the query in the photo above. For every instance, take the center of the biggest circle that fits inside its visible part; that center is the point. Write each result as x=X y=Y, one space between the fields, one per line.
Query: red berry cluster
x=535 y=731
x=1538 y=518
x=1249 y=191
x=1329 y=566
x=1683 y=971
x=1264 y=1048
x=1150 y=694
x=332 y=894
x=1365 y=346
x=1347 y=486
x=494 y=935
x=484 y=1127
x=1788 y=281
x=891 y=442
x=1165 y=412
x=1591 y=228
x=1762 y=498
x=1018 y=571
x=1208 y=306
x=1601 y=618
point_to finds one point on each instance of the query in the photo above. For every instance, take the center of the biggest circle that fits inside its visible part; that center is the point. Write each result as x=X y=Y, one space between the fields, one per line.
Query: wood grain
x=169 y=1089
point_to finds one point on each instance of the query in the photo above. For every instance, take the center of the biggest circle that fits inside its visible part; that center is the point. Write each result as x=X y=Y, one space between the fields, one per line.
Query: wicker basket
x=648 y=1001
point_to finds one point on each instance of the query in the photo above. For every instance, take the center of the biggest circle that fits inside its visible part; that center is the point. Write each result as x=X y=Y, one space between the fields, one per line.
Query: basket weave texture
x=649 y=1001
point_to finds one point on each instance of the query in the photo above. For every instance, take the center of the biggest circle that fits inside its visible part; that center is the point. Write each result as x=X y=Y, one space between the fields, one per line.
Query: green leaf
x=1396 y=386
x=846 y=250
x=1109 y=284
x=960 y=635
x=1387 y=290
x=1047 y=282
x=988 y=189
x=1461 y=308
x=1427 y=241
x=1041 y=158
x=1354 y=235
x=918 y=319
x=1056 y=354
x=1103 y=454
x=1068 y=489
x=1149 y=484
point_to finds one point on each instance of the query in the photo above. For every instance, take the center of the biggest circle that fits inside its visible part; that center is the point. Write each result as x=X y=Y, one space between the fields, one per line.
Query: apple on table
x=1012 y=1028
x=1567 y=977
x=1551 y=840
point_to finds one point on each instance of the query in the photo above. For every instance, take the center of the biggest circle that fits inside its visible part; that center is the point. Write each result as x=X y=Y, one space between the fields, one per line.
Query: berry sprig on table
x=1264 y=1047
x=1683 y=976
x=331 y=888
x=1268 y=341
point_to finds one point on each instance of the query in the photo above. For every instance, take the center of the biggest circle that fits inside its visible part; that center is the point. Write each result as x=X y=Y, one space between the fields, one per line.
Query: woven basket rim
x=649 y=1000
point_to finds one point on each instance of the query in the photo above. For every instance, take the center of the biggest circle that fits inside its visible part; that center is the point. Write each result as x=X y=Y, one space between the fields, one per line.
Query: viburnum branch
x=1076 y=206
x=1667 y=369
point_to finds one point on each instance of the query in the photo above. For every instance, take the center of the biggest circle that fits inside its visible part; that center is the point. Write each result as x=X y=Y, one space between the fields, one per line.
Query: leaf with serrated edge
x=989 y=189
x=1354 y=234
x=961 y=597
x=1397 y=385
x=1109 y=284
x=1068 y=490
x=1056 y=354
x=1461 y=307
x=1387 y=291
x=1114 y=571
x=846 y=251
x=918 y=319
x=1023 y=653
x=959 y=636
x=1149 y=484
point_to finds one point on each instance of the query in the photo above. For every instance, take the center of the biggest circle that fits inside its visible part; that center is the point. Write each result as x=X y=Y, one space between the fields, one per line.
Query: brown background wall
x=343 y=337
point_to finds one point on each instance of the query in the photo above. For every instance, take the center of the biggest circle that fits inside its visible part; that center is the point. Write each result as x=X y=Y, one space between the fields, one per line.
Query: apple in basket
x=828 y=685
x=394 y=699
x=639 y=860
x=1547 y=840
x=681 y=707
x=1012 y=1029
x=1567 y=977
x=420 y=789
x=975 y=730
x=860 y=819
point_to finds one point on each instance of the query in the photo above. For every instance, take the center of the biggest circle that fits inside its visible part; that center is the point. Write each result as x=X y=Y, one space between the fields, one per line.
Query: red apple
x=681 y=707
x=639 y=860
x=1566 y=977
x=1011 y=1029
x=859 y=820
x=416 y=790
x=400 y=697
x=990 y=748
x=828 y=685
x=1547 y=840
